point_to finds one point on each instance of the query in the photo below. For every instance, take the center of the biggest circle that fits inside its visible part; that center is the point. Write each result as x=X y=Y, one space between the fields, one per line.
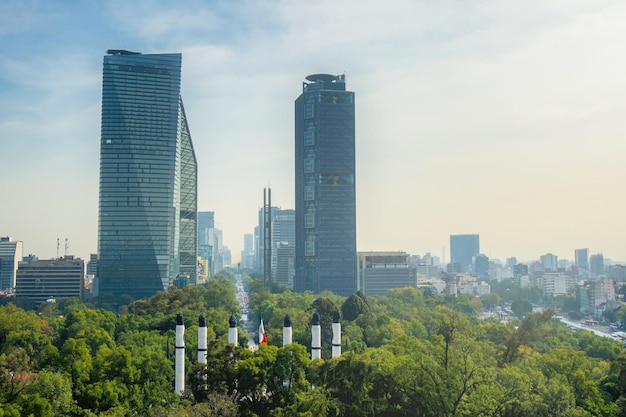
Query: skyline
x=499 y=119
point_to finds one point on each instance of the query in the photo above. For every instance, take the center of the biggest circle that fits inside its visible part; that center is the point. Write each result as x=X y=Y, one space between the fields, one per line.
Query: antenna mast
x=66 y=246
x=58 y=248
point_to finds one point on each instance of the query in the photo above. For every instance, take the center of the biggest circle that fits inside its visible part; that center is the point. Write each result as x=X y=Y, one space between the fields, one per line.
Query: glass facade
x=463 y=250
x=147 y=225
x=325 y=188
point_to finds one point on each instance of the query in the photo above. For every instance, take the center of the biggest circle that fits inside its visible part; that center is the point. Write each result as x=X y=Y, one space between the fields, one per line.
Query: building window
x=309 y=165
x=309 y=192
x=309 y=219
x=309 y=247
x=309 y=138
x=308 y=111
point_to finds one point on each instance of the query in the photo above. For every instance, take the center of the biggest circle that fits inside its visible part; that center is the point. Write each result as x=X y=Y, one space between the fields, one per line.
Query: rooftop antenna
x=58 y=248
x=66 y=246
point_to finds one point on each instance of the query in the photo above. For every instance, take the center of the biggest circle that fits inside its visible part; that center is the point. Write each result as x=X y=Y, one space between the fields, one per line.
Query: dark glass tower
x=325 y=186
x=147 y=225
x=463 y=250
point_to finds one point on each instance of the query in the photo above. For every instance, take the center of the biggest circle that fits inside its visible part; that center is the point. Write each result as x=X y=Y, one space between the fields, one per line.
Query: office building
x=325 y=186
x=278 y=246
x=283 y=264
x=481 y=266
x=41 y=280
x=381 y=271
x=581 y=260
x=208 y=245
x=10 y=256
x=596 y=264
x=247 y=254
x=463 y=250
x=549 y=262
x=283 y=247
x=147 y=225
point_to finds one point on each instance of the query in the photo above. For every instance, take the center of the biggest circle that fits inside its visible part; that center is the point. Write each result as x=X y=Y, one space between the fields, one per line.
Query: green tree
x=77 y=361
x=355 y=305
x=56 y=388
x=521 y=307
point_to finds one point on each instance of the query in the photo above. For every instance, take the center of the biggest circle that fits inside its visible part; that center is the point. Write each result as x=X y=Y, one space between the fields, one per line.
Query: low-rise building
x=381 y=271
x=40 y=280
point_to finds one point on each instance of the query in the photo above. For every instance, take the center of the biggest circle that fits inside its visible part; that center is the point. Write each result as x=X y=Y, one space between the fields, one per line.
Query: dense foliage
x=405 y=354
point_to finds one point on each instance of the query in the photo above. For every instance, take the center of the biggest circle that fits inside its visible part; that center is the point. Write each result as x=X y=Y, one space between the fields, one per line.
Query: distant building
x=616 y=272
x=520 y=269
x=283 y=256
x=596 y=264
x=247 y=254
x=325 y=187
x=381 y=271
x=206 y=224
x=581 y=260
x=463 y=250
x=92 y=265
x=455 y=268
x=594 y=296
x=208 y=246
x=549 y=262
x=283 y=265
x=226 y=256
x=427 y=270
x=40 y=280
x=281 y=244
x=147 y=225
x=556 y=283
x=481 y=266
x=10 y=256
x=472 y=286
x=511 y=262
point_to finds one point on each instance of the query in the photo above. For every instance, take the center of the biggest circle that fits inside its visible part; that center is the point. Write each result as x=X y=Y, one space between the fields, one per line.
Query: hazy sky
x=502 y=118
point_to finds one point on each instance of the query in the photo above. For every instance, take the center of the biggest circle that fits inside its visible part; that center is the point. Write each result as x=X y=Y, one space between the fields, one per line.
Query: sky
x=501 y=118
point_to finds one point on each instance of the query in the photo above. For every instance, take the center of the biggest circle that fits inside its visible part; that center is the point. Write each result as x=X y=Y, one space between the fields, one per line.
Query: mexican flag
x=262 y=334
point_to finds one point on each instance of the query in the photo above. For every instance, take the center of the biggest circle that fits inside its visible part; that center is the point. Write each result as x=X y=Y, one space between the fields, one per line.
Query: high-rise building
x=549 y=262
x=281 y=244
x=207 y=242
x=481 y=266
x=247 y=254
x=596 y=264
x=10 y=256
x=463 y=250
x=325 y=186
x=147 y=226
x=581 y=260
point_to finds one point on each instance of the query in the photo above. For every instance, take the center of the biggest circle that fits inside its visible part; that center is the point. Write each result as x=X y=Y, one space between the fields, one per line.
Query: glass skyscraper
x=463 y=250
x=325 y=186
x=147 y=225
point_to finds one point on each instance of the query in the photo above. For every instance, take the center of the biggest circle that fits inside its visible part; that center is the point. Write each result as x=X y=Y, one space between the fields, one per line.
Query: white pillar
x=287 y=331
x=179 y=383
x=336 y=335
x=316 y=337
x=233 y=338
x=202 y=339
